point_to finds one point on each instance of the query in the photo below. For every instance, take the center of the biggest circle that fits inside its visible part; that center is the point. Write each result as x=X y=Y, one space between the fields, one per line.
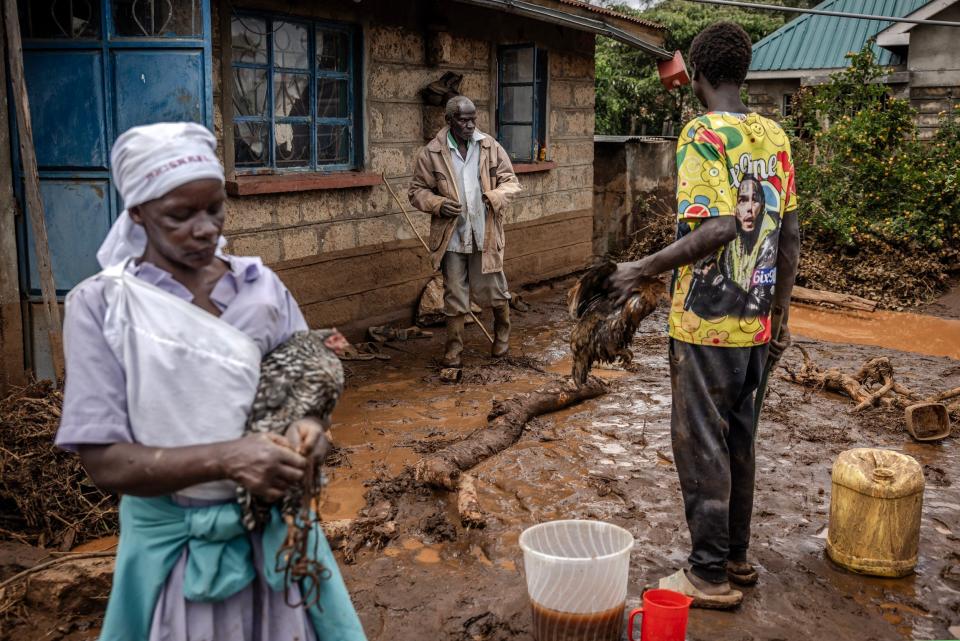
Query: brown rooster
x=604 y=330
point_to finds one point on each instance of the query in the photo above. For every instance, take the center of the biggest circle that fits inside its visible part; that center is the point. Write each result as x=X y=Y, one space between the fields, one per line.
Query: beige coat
x=434 y=183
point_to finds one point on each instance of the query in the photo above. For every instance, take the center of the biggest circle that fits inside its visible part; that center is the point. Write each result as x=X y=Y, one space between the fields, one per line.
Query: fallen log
x=820 y=297
x=468 y=506
x=505 y=425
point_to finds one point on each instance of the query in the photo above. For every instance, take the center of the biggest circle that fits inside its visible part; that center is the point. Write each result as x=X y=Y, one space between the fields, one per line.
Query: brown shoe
x=741 y=573
x=501 y=331
x=454 y=346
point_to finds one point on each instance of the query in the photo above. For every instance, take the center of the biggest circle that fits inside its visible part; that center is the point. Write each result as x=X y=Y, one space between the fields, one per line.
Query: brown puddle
x=895 y=330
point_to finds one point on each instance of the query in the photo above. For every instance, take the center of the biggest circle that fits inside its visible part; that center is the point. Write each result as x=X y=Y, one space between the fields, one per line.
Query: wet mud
x=429 y=578
x=610 y=458
x=919 y=333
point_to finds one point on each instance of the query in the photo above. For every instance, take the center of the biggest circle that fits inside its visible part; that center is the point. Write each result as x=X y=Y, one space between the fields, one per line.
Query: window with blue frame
x=522 y=101
x=295 y=94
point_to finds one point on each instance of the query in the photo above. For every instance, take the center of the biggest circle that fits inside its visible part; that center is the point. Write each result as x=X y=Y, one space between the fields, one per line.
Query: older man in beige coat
x=464 y=180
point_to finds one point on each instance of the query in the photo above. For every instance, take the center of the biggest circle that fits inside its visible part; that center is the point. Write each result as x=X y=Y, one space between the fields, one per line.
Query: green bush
x=862 y=173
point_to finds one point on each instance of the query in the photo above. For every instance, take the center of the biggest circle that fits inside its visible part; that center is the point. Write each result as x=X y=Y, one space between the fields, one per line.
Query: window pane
x=291 y=94
x=78 y=19
x=250 y=144
x=152 y=18
x=290 y=45
x=292 y=144
x=517 y=104
x=332 y=50
x=250 y=92
x=249 y=40
x=517 y=64
x=333 y=145
x=331 y=98
x=518 y=141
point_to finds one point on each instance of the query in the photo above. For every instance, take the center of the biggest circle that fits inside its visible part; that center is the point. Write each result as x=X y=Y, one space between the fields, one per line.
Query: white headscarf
x=147 y=163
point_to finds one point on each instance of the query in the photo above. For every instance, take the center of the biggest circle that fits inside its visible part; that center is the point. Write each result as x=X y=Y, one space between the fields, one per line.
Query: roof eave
x=648 y=39
x=925 y=12
x=887 y=40
x=789 y=74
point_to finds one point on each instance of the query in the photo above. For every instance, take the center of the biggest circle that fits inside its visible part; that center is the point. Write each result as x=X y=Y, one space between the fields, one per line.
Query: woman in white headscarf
x=163 y=349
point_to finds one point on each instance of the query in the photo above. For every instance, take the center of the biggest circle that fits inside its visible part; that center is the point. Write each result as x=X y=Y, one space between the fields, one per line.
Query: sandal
x=741 y=573
x=678 y=582
x=350 y=353
x=373 y=350
x=384 y=334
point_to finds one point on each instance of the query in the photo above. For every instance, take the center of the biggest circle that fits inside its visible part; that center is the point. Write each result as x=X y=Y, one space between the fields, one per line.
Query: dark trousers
x=713 y=438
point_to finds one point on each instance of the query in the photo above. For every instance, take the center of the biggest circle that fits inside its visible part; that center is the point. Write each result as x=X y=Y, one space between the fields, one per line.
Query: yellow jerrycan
x=875 y=505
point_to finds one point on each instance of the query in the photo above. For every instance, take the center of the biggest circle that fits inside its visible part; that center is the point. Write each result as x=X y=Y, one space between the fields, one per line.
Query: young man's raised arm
x=706 y=239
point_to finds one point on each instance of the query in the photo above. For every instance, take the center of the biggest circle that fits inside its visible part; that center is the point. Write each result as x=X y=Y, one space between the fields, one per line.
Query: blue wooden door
x=95 y=68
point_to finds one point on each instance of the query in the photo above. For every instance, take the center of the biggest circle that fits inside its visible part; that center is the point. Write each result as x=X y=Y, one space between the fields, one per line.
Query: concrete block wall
x=628 y=175
x=766 y=95
x=930 y=103
x=309 y=237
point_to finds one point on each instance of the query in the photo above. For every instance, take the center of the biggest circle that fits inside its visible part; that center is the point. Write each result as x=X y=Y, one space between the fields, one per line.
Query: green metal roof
x=822 y=42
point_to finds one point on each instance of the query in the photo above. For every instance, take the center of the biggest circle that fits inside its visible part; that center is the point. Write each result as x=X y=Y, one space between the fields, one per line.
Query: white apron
x=191 y=378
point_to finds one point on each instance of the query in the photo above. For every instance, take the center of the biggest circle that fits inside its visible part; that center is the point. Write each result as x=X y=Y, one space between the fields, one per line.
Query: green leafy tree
x=630 y=98
x=864 y=175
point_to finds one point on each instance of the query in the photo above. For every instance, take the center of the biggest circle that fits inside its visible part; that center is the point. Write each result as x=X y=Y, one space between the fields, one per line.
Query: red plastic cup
x=664 y=616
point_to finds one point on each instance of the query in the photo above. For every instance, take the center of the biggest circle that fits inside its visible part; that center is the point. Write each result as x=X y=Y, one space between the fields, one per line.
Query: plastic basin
x=577 y=578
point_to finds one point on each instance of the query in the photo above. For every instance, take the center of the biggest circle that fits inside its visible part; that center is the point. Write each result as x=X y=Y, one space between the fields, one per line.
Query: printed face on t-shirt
x=749 y=205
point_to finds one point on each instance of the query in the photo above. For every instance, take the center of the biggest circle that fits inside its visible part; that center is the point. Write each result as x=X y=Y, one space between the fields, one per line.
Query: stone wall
x=348 y=255
x=631 y=176
x=933 y=60
x=766 y=95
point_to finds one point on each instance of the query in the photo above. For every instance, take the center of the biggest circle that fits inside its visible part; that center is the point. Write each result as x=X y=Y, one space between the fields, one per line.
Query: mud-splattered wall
x=633 y=177
x=347 y=254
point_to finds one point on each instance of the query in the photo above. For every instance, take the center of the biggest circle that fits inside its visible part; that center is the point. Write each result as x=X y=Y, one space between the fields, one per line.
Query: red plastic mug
x=664 y=616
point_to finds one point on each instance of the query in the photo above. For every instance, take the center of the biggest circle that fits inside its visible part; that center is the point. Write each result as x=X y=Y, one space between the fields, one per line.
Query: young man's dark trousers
x=713 y=447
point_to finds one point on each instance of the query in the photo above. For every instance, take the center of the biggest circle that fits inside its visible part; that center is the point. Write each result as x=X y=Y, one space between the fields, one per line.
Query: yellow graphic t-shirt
x=731 y=165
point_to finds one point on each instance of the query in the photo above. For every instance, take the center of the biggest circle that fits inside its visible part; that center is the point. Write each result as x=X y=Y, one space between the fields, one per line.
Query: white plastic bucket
x=578 y=567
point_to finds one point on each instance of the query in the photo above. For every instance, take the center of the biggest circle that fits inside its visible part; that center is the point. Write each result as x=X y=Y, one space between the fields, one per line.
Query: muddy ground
x=610 y=459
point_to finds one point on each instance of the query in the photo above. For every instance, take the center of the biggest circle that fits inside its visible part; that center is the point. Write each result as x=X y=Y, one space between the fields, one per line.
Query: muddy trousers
x=713 y=448
x=464 y=280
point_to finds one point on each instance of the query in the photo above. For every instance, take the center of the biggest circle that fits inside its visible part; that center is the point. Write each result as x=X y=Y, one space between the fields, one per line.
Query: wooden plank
x=32 y=181
x=548 y=264
x=356 y=275
x=534 y=167
x=11 y=321
x=225 y=7
x=549 y=235
x=820 y=297
x=397 y=301
x=282 y=183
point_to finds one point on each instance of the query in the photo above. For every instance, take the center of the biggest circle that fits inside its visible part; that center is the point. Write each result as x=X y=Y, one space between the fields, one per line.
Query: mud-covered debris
x=46 y=498
x=438 y=528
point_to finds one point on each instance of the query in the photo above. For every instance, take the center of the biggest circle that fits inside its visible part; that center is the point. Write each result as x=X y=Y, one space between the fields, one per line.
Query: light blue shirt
x=468 y=235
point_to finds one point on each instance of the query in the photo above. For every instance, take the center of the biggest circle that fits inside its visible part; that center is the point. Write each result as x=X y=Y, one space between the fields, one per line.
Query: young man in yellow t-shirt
x=734 y=261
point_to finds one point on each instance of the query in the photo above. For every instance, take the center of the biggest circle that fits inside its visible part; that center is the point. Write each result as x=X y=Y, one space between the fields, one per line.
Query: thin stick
x=423 y=242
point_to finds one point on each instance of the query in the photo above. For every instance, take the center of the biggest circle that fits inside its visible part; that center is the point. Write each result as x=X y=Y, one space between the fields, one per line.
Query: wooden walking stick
x=776 y=324
x=424 y=243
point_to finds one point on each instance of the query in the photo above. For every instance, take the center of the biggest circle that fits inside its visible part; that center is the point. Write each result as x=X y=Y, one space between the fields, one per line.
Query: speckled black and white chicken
x=303 y=377
x=604 y=330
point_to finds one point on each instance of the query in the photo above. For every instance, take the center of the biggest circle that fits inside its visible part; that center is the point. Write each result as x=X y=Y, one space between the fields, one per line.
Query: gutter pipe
x=562 y=18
